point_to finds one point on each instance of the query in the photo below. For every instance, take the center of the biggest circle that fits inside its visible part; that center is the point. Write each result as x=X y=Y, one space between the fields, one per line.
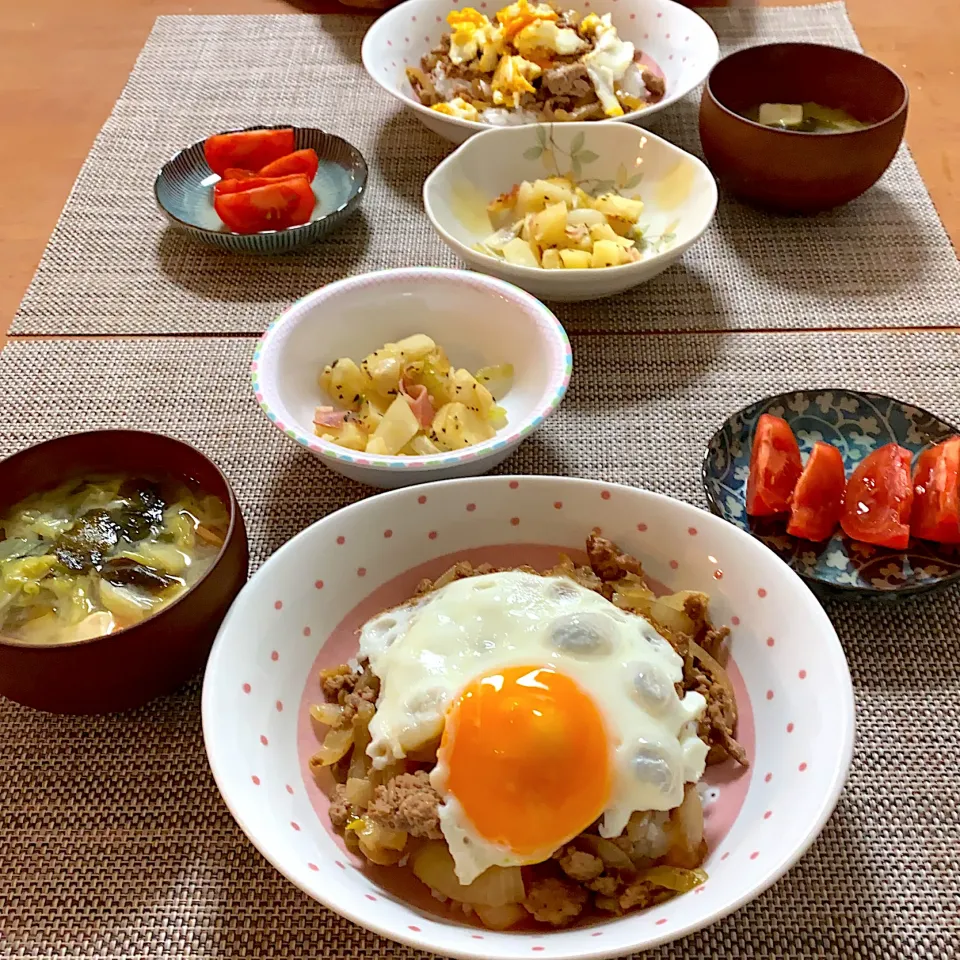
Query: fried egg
x=552 y=709
x=606 y=64
x=546 y=35
x=511 y=80
x=472 y=35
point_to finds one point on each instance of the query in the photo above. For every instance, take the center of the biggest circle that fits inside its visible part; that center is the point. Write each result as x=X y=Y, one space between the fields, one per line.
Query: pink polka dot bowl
x=480 y=321
x=301 y=611
x=672 y=39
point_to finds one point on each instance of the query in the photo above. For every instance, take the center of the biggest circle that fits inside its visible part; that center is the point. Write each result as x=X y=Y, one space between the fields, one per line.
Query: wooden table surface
x=63 y=64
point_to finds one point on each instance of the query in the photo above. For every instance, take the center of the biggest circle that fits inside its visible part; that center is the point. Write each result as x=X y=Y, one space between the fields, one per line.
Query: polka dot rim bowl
x=478 y=320
x=680 y=43
x=857 y=424
x=300 y=612
x=183 y=190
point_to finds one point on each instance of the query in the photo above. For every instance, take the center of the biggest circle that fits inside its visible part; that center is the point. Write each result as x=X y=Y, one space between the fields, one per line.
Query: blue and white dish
x=184 y=194
x=857 y=424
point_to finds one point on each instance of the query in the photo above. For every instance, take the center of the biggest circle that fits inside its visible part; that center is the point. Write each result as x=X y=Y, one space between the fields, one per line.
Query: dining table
x=114 y=841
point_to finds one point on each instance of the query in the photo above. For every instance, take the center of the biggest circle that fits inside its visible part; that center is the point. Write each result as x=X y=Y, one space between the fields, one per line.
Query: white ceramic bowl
x=300 y=612
x=678 y=191
x=679 y=42
x=479 y=322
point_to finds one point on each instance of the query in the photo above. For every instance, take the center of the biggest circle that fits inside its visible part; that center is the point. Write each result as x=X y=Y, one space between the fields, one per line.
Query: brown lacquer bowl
x=127 y=668
x=788 y=171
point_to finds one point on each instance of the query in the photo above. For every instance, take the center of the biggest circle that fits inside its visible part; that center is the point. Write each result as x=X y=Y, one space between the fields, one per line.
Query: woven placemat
x=113 y=266
x=114 y=842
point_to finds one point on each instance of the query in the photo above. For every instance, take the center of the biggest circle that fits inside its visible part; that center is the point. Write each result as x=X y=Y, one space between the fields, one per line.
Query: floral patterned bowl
x=678 y=191
x=857 y=424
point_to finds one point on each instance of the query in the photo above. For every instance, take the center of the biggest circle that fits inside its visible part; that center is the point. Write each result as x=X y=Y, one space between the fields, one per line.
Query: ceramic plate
x=857 y=424
x=301 y=610
x=184 y=194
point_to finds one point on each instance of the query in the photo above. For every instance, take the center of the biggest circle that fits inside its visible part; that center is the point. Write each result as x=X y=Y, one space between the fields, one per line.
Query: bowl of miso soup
x=801 y=127
x=120 y=553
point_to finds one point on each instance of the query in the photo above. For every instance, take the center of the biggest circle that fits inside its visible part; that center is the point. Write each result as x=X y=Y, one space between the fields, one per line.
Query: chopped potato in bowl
x=407 y=399
x=556 y=225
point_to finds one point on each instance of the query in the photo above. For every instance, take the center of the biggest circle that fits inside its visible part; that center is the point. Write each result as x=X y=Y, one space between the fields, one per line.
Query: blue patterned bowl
x=184 y=193
x=857 y=424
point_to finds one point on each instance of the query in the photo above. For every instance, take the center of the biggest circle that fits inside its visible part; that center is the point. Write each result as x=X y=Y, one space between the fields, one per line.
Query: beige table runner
x=114 y=842
x=114 y=267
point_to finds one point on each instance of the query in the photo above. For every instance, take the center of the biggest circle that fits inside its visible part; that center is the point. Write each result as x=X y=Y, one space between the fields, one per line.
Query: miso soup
x=99 y=554
x=804 y=118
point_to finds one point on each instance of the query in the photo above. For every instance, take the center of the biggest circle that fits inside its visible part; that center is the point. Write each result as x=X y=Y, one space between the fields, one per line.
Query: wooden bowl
x=127 y=668
x=788 y=171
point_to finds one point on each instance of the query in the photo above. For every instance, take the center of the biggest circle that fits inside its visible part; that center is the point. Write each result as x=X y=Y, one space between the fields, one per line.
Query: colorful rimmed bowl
x=857 y=424
x=678 y=192
x=784 y=170
x=676 y=40
x=300 y=611
x=184 y=194
x=479 y=321
x=154 y=657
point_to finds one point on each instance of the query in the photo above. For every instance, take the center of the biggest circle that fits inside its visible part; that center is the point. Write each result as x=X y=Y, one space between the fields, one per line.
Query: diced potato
x=549 y=227
x=606 y=253
x=602 y=231
x=623 y=228
x=518 y=252
x=344 y=382
x=439 y=383
x=377 y=447
x=455 y=427
x=623 y=208
x=370 y=415
x=473 y=395
x=575 y=259
x=381 y=371
x=583 y=198
x=423 y=446
x=526 y=201
x=551 y=260
x=577 y=237
x=552 y=192
x=587 y=216
x=562 y=182
x=351 y=435
x=396 y=429
x=417 y=347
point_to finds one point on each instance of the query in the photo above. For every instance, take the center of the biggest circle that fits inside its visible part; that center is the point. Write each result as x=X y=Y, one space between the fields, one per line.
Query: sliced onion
x=495 y=887
x=359 y=792
x=328 y=714
x=500 y=918
x=713 y=667
x=335 y=746
x=611 y=855
x=674 y=878
x=586 y=216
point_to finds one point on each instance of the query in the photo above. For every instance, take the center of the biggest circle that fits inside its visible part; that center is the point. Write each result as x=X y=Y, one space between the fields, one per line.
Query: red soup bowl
x=127 y=668
x=789 y=171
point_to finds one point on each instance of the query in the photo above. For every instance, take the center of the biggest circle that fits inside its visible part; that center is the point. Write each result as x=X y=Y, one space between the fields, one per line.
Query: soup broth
x=96 y=555
x=804 y=118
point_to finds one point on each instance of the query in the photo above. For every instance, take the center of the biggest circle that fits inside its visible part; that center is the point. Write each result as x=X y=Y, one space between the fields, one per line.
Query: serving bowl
x=789 y=171
x=857 y=424
x=678 y=191
x=132 y=666
x=300 y=612
x=479 y=321
x=184 y=193
x=674 y=38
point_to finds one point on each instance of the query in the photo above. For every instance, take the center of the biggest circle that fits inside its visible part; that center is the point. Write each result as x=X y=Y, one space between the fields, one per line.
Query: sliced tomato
x=248 y=150
x=235 y=185
x=775 y=467
x=817 y=499
x=300 y=161
x=275 y=206
x=936 y=498
x=879 y=499
x=235 y=173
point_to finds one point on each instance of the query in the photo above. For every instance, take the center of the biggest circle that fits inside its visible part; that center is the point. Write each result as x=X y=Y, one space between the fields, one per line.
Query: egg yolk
x=528 y=759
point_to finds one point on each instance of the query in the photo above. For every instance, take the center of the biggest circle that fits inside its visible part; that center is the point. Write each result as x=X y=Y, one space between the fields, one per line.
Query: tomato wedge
x=300 y=161
x=775 y=467
x=248 y=150
x=817 y=499
x=235 y=185
x=879 y=499
x=275 y=206
x=235 y=173
x=936 y=503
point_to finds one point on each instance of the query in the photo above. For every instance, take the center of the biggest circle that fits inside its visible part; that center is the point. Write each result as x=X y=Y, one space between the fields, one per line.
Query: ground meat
x=712 y=641
x=719 y=722
x=349 y=688
x=640 y=893
x=335 y=679
x=579 y=865
x=555 y=901
x=568 y=80
x=605 y=886
x=608 y=562
x=339 y=808
x=654 y=83
x=408 y=803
